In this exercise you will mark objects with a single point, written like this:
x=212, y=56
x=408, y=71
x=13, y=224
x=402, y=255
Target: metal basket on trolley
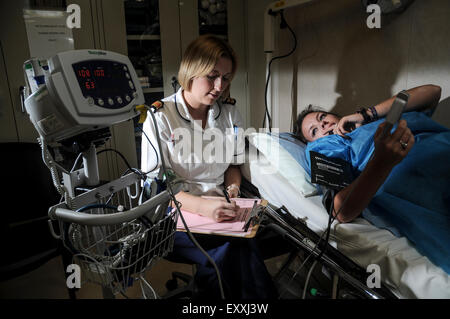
x=113, y=239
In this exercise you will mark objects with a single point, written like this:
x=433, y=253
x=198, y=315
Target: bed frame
x=295, y=231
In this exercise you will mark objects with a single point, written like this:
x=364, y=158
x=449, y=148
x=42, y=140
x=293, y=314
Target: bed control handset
x=396, y=110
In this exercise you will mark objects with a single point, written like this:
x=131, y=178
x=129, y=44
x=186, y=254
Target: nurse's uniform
x=192, y=153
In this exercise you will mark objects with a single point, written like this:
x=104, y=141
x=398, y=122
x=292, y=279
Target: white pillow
x=283, y=162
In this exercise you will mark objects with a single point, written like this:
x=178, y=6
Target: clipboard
x=234, y=228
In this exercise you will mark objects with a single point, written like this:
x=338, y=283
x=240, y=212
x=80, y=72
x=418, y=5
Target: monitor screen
x=106, y=83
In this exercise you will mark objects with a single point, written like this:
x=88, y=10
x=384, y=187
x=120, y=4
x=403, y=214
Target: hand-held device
x=396, y=111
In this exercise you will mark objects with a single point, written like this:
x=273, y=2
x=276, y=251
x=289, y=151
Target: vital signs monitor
x=84, y=90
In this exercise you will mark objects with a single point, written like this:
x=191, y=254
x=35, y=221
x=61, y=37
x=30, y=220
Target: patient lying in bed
x=403, y=179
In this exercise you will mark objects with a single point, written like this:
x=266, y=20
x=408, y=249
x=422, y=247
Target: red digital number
x=99, y=73
x=84, y=73
x=89, y=85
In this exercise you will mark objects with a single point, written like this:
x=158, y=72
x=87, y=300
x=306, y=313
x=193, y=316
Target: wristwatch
x=234, y=186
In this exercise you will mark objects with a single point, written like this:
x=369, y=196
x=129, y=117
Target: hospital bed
x=405, y=272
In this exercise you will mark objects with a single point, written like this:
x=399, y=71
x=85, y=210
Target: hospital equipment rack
x=296, y=231
x=114, y=249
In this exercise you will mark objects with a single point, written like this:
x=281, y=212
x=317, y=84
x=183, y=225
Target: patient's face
x=318, y=124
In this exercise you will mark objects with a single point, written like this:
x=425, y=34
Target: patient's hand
x=389, y=150
x=348, y=123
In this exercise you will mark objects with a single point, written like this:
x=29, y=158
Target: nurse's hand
x=391, y=149
x=220, y=210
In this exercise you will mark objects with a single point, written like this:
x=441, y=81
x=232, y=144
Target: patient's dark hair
x=300, y=118
x=298, y=124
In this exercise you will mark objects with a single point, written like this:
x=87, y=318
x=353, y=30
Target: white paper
x=47, y=33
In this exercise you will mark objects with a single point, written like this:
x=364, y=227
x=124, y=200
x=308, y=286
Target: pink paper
x=202, y=224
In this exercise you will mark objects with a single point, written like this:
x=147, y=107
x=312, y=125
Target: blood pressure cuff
x=333, y=173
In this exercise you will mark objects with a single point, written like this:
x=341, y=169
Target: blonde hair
x=200, y=58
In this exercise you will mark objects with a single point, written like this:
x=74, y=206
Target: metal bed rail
x=294, y=230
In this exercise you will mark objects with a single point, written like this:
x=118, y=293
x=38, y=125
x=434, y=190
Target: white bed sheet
x=406, y=272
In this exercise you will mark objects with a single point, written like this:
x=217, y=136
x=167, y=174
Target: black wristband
x=374, y=112
x=366, y=117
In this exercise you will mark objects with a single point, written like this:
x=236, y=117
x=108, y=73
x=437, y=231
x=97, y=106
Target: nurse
x=187, y=120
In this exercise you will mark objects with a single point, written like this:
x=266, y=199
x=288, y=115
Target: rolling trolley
x=72, y=100
x=114, y=240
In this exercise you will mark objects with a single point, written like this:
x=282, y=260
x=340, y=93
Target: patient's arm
x=361, y=191
x=420, y=98
x=351, y=201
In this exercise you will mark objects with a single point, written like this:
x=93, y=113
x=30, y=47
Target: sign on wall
x=47, y=33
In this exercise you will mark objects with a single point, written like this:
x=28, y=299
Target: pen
x=226, y=195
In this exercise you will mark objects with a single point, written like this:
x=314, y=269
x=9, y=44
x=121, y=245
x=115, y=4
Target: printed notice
x=47, y=33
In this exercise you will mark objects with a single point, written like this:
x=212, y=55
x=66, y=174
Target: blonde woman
x=201, y=105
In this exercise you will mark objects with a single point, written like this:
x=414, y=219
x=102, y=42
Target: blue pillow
x=295, y=147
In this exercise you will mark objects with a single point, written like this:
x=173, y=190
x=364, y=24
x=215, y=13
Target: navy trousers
x=243, y=272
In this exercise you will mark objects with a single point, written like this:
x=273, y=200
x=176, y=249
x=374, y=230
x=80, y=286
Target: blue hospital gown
x=414, y=201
